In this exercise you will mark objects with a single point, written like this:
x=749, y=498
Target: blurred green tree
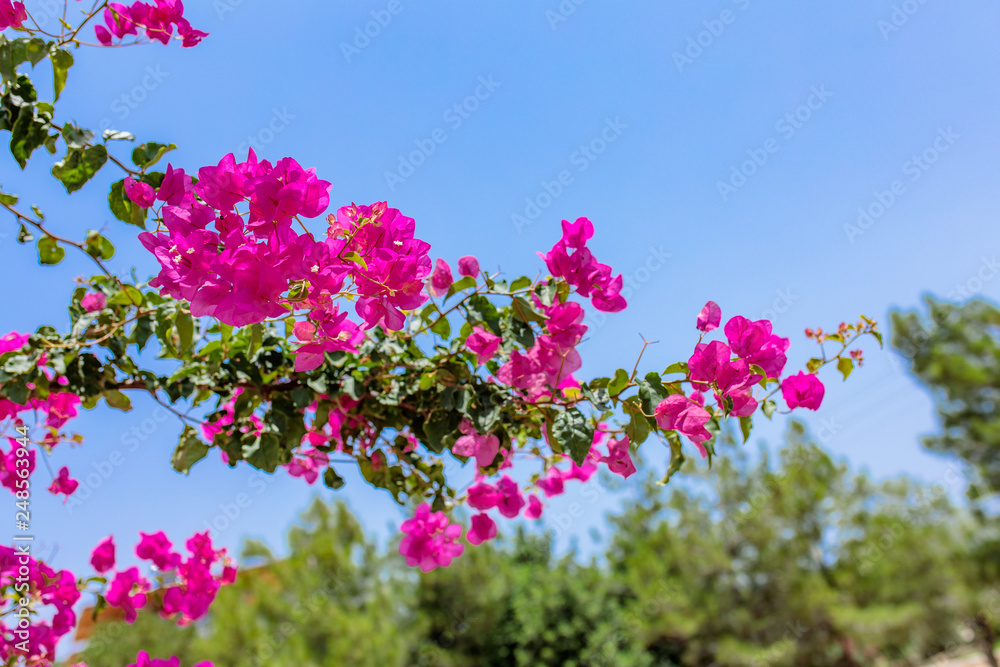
x=954, y=350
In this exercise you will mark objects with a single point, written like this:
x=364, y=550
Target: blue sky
x=641, y=110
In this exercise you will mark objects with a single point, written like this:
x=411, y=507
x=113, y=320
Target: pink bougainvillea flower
x=103, y=555
x=511, y=500
x=176, y=188
x=143, y=660
x=222, y=186
x=128, y=592
x=681, y=414
x=553, y=484
x=63, y=483
x=804, y=390
x=468, y=266
x=308, y=465
x=93, y=301
x=13, y=341
x=710, y=317
x=157, y=548
x=745, y=337
x=705, y=362
x=329, y=331
x=483, y=528
x=618, y=459
x=534, y=509
x=483, y=447
x=12, y=15
x=482, y=496
x=771, y=356
x=141, y=194
x=483, y=344
x=429, y=540
x=571, y=260
x=441, y=279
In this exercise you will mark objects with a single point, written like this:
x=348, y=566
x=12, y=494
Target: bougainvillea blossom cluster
x=158, y=20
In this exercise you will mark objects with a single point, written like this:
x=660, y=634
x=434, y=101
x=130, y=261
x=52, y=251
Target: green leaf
x=79, y=166
x=746, y=425
x=62, y=60
x=117, y=400
x=24, y=235
x=638, y=427
x=19, y=364
x=676, y=457
x=127, y=296
x=123, y=208
x=17, y=51
x=257, y=339
x=878, y=337
x=845, y=365
x=185, y=331
x=9, y=200
x=264, y=452
x=525, y=312
x=35, y=50
x=520, y=284
x=442, y=327
x=466, y=282
x=115, y=135
x=651, y=392
x=190, y=449
x=357, y=259
x=618, y=382
x=76, y=137
x=49, y=251
x=814, y=364
x=98, y=246
x=678, y=367
x=146, y=155
x=332, y=480
x=768, y=407
x=574, y=432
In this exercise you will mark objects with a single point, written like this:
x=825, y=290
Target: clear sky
x=642, y=109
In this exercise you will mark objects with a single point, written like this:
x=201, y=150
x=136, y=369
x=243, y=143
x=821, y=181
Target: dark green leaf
x=618, y=382
x=79, y=166
x=146, y=155
x=574, y=433
x=189, y=451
